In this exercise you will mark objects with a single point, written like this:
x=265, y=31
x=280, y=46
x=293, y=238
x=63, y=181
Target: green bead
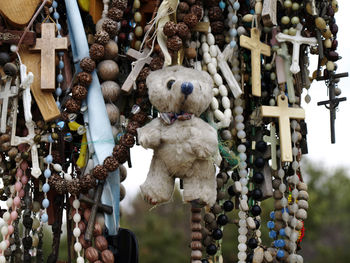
x=295, y=20
x=275, y=48
x=285, y=20
x=273, y=76
x=295, y=6
x=287, y=4
x=285, y=31
x=292, y=31
x=268, y=66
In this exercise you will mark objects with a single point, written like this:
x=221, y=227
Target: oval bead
x=211, y=68
x=210, y=39
x=219, y=115
x=205, y=47
x=223, y=90
x=218, y=79
x=225, y=102
x=206, y=57
x=214, y=104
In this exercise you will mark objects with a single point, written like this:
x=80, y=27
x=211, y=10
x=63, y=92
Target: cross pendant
x=5, y=94
x=13, y=36
x=274, y=142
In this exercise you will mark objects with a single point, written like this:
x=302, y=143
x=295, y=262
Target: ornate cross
x=333, y=102
x=297, y=41
x=96, y=205
x=13, y=36
x=284, y=114
x=272, y=139
x=5, y=94
x=257, y=48
x=26, y=81
x=141, y=59
x=48, y=44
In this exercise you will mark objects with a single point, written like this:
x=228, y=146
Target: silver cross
x=5, y=94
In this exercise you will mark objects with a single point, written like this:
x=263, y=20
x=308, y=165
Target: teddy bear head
x=178, y=89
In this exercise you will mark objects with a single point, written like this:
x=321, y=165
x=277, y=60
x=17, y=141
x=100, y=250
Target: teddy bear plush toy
x=184, y=145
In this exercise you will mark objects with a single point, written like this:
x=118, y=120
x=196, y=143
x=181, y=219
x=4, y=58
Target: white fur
x=184, y=149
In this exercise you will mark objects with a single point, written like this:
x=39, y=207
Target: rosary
x=214, y=87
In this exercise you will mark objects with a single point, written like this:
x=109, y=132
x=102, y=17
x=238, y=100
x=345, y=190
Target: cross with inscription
x=333, y=102
x=257, y=48
x=5, y=94
x=48, y=44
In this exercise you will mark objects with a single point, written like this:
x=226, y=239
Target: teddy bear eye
x=170, y=84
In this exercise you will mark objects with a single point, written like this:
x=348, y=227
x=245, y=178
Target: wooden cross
x=13, y=37
x=5, y=94
x=283, y=52
x=284, y=114
x=141, y=59
x=48, y=44
x=273, y=142
x=333, y=102
x=226, y=71
x=297, y=41
x=26, y=80
x=268, y=13
x=96, y=205
x=257, y=48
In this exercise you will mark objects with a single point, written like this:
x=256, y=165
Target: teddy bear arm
x=149, y=136
x=206, y=145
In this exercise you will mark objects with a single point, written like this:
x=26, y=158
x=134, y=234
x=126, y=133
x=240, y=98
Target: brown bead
x=85, y=244
x=140, y=118
x=196, y=217
x=191, y=20
x=97, y=52
x=217, y=27
x=156, y=63
x=169, y=29
x=183, y=30
x=190, y=53
x=196, y=255
x=102, y=37
x=196, y=245
x=82, y=226
x=79, y=92
x=196, y=236
x=84, y=78
x=91, y=254
x=127, y=140
x=100, y=172
x=141, y=89
x=132, y=127
x=215, y=14
x=183, y=7
x=115, y=14
x=123, y=173
x=111, y=164
x=110, y=26
x=58, y=183
x=107, y=256
x=180, y=17
x=72, y=105
x=198, y=11
x=144, y=74
x=196, y=227
x=111, y=50
x=121, y=153
x=5, y=138
x=73, y=186
x=97, y=229
x=87, y=182
x=87, y=65
x=174, y=43
x=122, y=193
x=120, y=4
x=87, y=213
x=10, y=69
x=101, y=243
x=108, y=70
x=220, y=40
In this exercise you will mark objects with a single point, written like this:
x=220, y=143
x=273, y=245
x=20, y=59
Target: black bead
x=27, y=242
x=217, y=234
x=261, y=146
x=257, y=194
x=228, y=206
x=258, y=178
x=257, y=223
x=222, y=220
x=4, y=58
x=230, y=191
x=255, y=210
x=205, y=260
x=252, y=243
x=211, y=249
x=259, y=162
x=28, y=222
x=10, y=69
x=250, y=257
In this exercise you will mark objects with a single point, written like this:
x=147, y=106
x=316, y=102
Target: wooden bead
x=101, y=243
x=196, y=255
x=196, y=217
x=196, y=227
x=87, y=213
x=111, y=50
x=196, y=245
x=196, y=235
x=190, y=53
x=97, y=229
x=110, y=90
x=113, y=113
x=108, y=70
x=107, y=256
x=91, y=254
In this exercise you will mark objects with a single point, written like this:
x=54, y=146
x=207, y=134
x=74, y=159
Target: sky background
x=321, y=151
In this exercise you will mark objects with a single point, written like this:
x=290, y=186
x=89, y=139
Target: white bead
x=243, y=182
x=222, y=90
x=214, y=61
x=241, y=148
x=294, y=137
x=76, y=203
x=241, y=134
x=76, y=232
x=294, y=124
x=238, y=110
x=205, y=47
x=217, y=79
x=3, y=245
x=285, y=216
x=295, y=151
x=214, y=104
x=294, y=236
x=211, y=68
x=6, y=216
x=235, y=70
x=12, y=189
x=80, y=260
x=242, y=165
x=242, y=247
x=204, y=39
x=2, y=259
x=284, y=201
x=242, y=223
x=77, y=247
x=219, y=115
x=242, y=156
x=242, y=238
x=213, y=51
x=295, y=193
x=240, y=126
x=77, y=218
x=282, y=188
x=241, y=214
x=258, y=234
x=206, y=57
x=242, y=256
x=281, y=173
x=68, y=177
x=239, y=118
x=225, y=102
x=210, y=39
x=288, y=231
x=57, y=167
x=13, y=48
x=216, y=91
x=9, y=202
x=242, y=230
x=272, y=102
x=4, y=230
x=295, y=179
x=295, y=165
x=228, y=114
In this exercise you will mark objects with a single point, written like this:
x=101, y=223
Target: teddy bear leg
x=201, y=184
x=159, y=185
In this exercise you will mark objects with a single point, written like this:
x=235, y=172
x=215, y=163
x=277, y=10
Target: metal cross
x=333, y=102
x=5, y=94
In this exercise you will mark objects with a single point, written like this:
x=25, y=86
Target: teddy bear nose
x=187, y=88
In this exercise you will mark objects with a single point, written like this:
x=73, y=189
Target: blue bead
x=59, y=35
x=46, y=187
x=234, y=19
x=282, y=243
x=279, y=243
x=233, y=32
x=236, y=6
x=49, y=158
x=59, y=78
x=270, y=224
x=59, y=27
x=61, y=64
x=272, y=215
x=252, y=11
x=233, y=43
x=44, y=218
x=47, y=173
x=60, y=124
x=280, y=253
x=46, y=203
x=61, y=53
x=58, y=104
x=54, y=4
x=285, y=209
x=222, y=5
x=56, y=15
x=50, y=139
x=282, y=232
x=68, y=137
x=58, y=92
x=272, y=234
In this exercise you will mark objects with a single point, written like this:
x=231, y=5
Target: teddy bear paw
x=150, y=200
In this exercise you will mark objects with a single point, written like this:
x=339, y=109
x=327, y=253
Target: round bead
x=80, y=260
x=9, y=202
x=77, y=247
x=77, y=217
x=4, y=230
x=60, y=78
x=236, y=5
x=58, y=91
x=56, y=15
x=242, y=238
x=46, y=203
x=47, y=173
x=3, y=245
x=138, y=17
x=44, y=218
x=60, y=64
x=49, y=159
x=46, y=187
x=76, y=232
x=76, y=203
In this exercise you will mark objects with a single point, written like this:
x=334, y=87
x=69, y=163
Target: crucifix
x=226, y=71
x=26, y=81
x=13, y=36
x=96, y=205
x=297, y=41
x=48, y=44
x=283, y=52
x=272, y=139
x=141, y=60
x=257, y=48
x=333, y=102
x=284, y=114
x=5, y=94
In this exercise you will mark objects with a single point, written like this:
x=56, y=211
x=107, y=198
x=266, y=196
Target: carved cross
x=333, y=102
x=272, y=139
x=297, y=41
x=283, y=52
x=48, y=44
x=26, y=80
x=257, y=48
x=227, y=72
x=284, y=114
x=141, y=59
x=5, y=94
x=13, y=36
x=96, y=205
